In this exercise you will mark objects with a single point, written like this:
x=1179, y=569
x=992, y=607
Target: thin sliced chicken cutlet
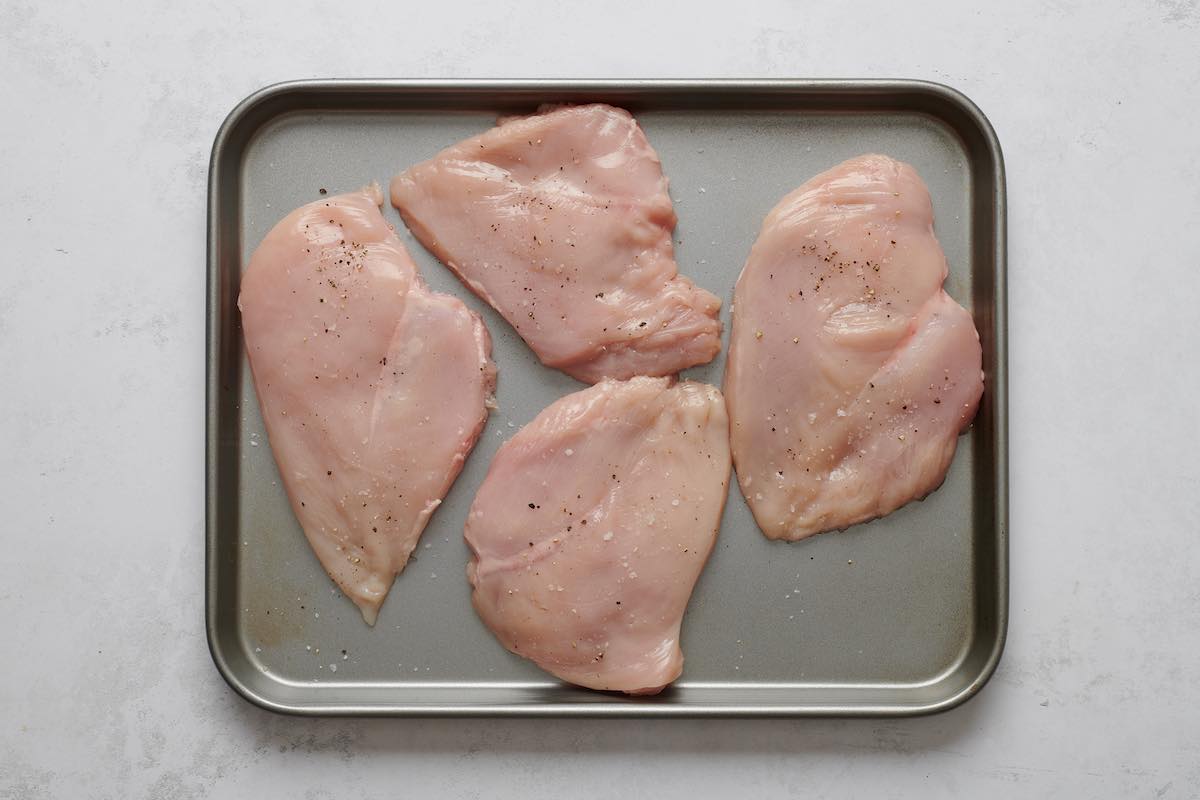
x=851, y=373
x=373, y=388
x=592, y=526
x=562, y=222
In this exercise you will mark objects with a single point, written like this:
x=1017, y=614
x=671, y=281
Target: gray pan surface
x=903, y=615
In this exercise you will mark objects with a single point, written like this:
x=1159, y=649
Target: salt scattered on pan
x=333, y=667
x=511, y=425
x=428, y=545
x=703, y=190
x=433, y=574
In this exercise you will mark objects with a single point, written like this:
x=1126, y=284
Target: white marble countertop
x=106, y=686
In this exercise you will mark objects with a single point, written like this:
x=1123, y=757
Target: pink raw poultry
x=373, y=388
x=594, y=523
x=851, y=372
x=562, y=222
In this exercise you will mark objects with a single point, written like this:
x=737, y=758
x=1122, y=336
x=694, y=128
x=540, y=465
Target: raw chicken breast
x=851, y=372
x=592, y=526
x=562, y=222
x=373, y=388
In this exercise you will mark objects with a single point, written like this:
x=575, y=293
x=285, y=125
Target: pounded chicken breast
x=851, y=372
x=373, y=388
x=562, y=222
x=592, y=526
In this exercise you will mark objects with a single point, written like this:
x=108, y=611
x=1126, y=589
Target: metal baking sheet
x=904, y=615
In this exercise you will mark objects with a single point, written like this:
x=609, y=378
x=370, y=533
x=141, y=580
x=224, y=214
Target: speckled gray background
x=106, y=687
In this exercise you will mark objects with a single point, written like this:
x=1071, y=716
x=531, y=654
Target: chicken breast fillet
x=562, y=222
x=851, y=372
x=373, y=388
x=592, y=526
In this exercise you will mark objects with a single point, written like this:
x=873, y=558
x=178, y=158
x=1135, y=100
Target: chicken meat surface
x=851, y=372
x=593, y=525
x=373, y=389
x=562, y=222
